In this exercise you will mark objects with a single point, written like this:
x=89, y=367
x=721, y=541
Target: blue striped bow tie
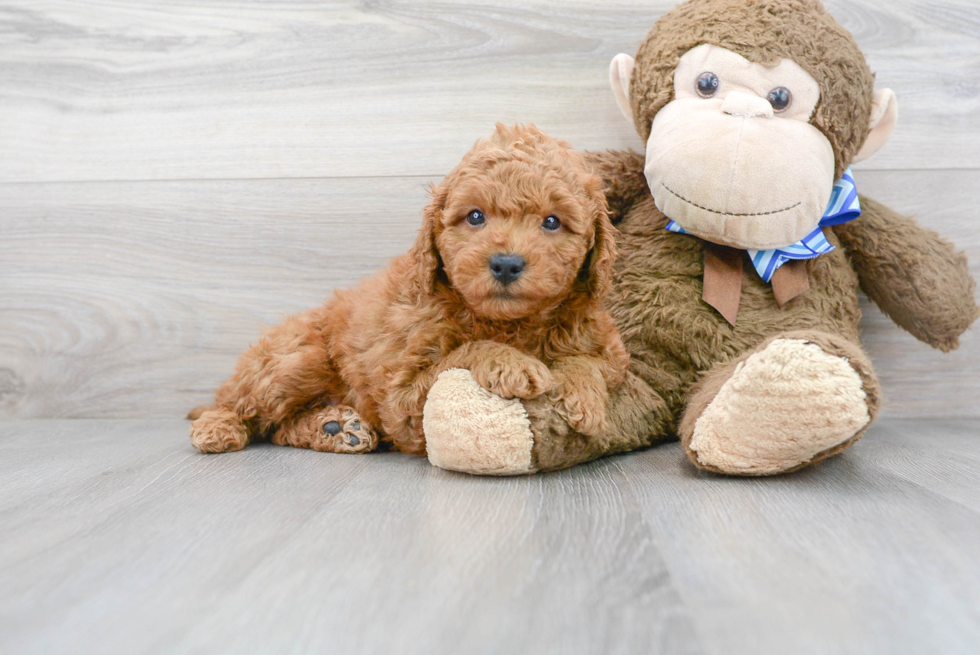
x=844, y=206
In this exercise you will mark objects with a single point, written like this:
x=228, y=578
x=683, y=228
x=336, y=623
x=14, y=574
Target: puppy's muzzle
x=506, y=268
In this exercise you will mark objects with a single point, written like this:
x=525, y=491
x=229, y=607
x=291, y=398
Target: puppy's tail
x=195, y=413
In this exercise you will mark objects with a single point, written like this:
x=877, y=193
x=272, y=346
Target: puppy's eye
x=551, y=223
x=708, y=84
x=476, y=218
x=780, y=98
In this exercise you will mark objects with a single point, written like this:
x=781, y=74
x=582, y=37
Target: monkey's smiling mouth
x=713, y=211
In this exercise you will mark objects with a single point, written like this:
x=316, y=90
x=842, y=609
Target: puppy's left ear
x=598, y=268
x=424, y=251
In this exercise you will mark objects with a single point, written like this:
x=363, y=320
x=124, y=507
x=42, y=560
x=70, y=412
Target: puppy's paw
x=585, y=412
x=335, y=429
x=581, y=398
x=350, y=434
x=218, y=431
x=513, y=377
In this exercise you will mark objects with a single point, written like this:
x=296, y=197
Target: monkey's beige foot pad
x=781, y=407
x=469, y=429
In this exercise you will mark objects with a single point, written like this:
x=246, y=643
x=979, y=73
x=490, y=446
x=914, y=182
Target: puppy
x=506, y=278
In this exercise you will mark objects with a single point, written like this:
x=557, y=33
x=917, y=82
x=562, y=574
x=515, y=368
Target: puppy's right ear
x=424, y=251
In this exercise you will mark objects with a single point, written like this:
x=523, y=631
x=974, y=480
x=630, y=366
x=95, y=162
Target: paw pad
x=343, y=432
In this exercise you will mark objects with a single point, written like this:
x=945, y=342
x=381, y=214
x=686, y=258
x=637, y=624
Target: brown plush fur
x=914, y=275
x=376, y=349
x=682, y=351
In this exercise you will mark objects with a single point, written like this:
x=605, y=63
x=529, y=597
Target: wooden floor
x=118, y=538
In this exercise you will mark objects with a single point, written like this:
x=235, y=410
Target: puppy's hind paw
x=218, y=431
x=335, y=429
x=352, y=435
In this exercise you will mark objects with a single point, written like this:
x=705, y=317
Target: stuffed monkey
x=743, y=243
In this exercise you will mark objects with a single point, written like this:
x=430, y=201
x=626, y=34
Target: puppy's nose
x=506, y=268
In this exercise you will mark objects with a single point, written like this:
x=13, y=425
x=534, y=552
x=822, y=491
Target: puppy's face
x=514, y=235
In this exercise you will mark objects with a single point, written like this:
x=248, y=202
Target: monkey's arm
x=622, y=177
x=912, y=274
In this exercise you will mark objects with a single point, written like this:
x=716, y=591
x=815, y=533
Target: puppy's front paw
x=524, y=377
x=581, y=398
x=585, y=412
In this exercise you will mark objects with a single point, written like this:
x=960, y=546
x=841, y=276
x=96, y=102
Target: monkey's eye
x=708, y=85
x=551, y=223
x=476, y=218
x=780, y=98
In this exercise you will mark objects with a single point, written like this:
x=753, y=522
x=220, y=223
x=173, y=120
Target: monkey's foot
x=797, y=399
x=218, y=431
x=469, y=429
x=334, y=429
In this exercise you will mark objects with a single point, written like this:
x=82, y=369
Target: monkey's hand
x=912, y=274
x=470, y=429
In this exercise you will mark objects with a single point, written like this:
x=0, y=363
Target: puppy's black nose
x=506, y=268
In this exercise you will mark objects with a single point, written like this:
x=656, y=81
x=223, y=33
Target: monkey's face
x=733, y=158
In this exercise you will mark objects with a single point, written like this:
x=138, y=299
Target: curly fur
x=378, y=348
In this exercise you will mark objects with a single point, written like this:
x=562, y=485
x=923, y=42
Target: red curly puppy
x=506, y=279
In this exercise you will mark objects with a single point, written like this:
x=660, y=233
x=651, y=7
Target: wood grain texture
x=872, y=553
x=117, y=297
x=119, y=538
x=135, y=299
x=141, y=545
x=93, y=90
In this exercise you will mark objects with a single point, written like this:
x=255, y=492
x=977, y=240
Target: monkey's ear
x=424, y=251
x=620, y=73
x=884, y=117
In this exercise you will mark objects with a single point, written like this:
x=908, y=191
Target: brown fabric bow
x=723, y=280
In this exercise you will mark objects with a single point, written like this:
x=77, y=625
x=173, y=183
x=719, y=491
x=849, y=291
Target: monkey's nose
x=506, y=268
x=746, y=105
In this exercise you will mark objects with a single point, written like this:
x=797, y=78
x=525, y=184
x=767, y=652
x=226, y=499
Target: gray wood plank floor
x=118, y=538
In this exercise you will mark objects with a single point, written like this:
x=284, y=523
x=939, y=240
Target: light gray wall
x=174, y=175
